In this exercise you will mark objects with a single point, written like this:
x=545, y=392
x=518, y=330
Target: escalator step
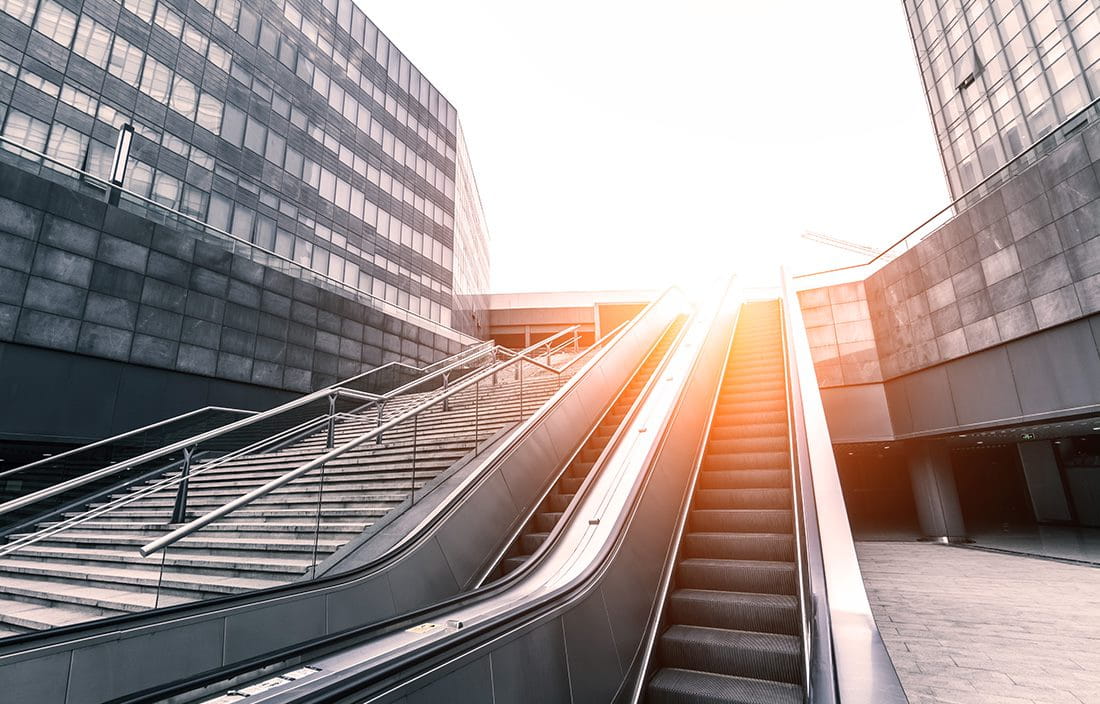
x=742, y=498
x=740, y=521
x=771, y=443
x=744, y=478
x=746, y=460
x=545, y=521
x=749, y=430
x=530, y=542
x=763, y=613
x=755, y=576
x=728, y=652
x=676, y=686
x=740, y=546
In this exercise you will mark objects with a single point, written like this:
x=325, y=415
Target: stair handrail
x=122, y=436
x=862, y=671
x=53, y=529
x=258, y=446
x=460, y=359
x=291, y=475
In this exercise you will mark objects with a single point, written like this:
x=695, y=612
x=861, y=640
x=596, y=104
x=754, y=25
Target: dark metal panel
x=532, y=669
x=422, y=578
x=42, y=680
x=594, y=667
x=268, y=628
x=367, y=601
x=857, y=413
x=982, y=387
x=1056, y=369
x=99, y=671
x=536, y=452
x=470, y=684
x=930, y=399
x=474, y=531
x=898, y=402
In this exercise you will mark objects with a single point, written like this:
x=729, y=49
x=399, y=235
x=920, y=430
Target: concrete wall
x=80, y=277
x=842, y=340
x=1023, y=259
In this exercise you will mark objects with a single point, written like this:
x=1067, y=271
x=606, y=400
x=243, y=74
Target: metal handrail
x=378, y=303
x=1031, y=151
x=153, y=488
x=861, y=672
x=194, y=440
x=286, y=478
x=121, y=436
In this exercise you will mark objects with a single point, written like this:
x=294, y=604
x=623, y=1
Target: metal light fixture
x=122, y=158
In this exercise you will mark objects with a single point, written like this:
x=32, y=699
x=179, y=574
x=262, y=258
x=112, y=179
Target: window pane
x=184, y=96
x=92, y=41
x=56, y=22
x=233, y=122
x=210, y=113
x=125, y=61
x=169, y=20
x=221, y=209
x=24, y=130
x=166, y=189
x=156, y=80
x=22, y=10
x=193, y=202
x=141, y=8
x=67, y=145
x=255, y=136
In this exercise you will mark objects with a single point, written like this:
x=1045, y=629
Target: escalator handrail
x=653, y=626
x=862, y=671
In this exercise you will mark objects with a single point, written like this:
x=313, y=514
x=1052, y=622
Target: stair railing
x=282, y=416
x=515, y=376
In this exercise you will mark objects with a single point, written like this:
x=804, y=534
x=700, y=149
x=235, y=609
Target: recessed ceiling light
x=1096, y=428
x=981, y=442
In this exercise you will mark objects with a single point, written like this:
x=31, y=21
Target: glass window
x=78, y=99
x=320, y=259
x=233, y=122
x=55, y=22
x=227, y=10
x=210, y=113
x=284, y=243
x=139, y=178
x=281, y=106
x=141, y=8
x=193, y=202
x=275, y=147
x=303, y=252
x=185, y=97
x=99, y=158
x=242, y=223
x=22, y=10
x=265, y=232
x=67, y=145
x=195, y=39
x=169, y=20
x=156, y=80
x=125, y=61
x=24, y=130
x=293, y=164
x=93, y=41
x=269, y=39
x=221, y=211
x=248, y=25
x=34, y=80
x=166, y=189
x=288, y=53
x=255, y=135
x=218, y=56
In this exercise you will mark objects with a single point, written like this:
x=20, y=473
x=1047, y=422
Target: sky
x=640, y=144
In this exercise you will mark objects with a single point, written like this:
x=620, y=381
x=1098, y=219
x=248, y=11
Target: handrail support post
x=179, y=510
x=331, y=439
x=446, y=399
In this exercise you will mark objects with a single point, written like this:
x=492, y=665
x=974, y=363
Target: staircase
x=734, y=625
x=94, y=570
x=561, y=495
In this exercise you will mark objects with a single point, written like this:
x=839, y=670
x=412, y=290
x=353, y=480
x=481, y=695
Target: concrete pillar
x=1044, y=481
x=934, y=492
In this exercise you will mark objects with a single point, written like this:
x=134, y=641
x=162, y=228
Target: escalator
x=734, y=627
x=549, y=512
x=692, y=570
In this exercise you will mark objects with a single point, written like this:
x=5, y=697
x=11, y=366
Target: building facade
x=999, y=75
x=294, y=126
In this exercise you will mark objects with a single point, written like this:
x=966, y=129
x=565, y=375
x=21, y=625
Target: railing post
x=477, y=409
x=412, y=481
x=179, y=510
x=576, y=340
x=381, y=406
x=330, y=441
x=446, y=399
x=520, y=373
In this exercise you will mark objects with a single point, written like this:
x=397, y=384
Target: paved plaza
x=970, y=627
